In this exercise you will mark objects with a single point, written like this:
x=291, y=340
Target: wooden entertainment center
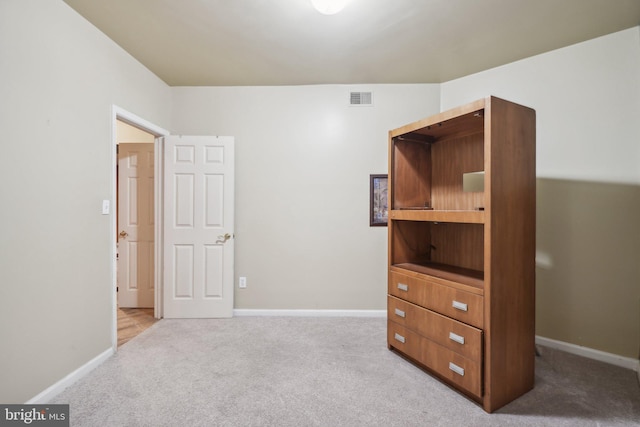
x=461, y=298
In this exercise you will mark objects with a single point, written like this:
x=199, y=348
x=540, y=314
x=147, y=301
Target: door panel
x=136, y=225
x=198, y=213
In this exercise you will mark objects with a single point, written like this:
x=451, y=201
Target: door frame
x=118, y=113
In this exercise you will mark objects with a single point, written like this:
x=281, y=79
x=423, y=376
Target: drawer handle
x=459, y=305
x=399, y=337
x=457, y=338
x=399, y=312
x=403, y=287
x=457, y=369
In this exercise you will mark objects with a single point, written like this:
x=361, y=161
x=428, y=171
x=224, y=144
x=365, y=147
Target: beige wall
x=589, y=294
x=587, y=99
x=127, y=133
x=60, y=78
x=303, y=160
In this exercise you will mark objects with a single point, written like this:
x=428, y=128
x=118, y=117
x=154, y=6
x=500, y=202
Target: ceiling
x=286, y=42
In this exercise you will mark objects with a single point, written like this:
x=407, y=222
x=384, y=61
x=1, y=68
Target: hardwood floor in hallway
x=132, y=321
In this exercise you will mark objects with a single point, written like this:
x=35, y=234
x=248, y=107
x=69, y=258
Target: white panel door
x=198, y=226
x=135, y=225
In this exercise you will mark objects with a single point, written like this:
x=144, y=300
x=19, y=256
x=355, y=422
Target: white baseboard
x=243, y=312
x=613, y=359
x=590, y=353
x=51, y=392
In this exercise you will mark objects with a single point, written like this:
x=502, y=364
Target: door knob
x=123, y=234
x=223, y=239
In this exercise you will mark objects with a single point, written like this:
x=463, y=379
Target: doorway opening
x=136, y=224
x=135, y=212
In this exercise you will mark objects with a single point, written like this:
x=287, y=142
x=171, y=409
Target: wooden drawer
x=451, y=302
x=446, y=364
x=452, y=334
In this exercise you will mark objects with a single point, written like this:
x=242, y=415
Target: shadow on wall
x=588, y=264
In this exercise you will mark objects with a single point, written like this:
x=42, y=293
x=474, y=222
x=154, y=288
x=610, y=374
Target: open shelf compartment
x=428, y=165
x=451, y=251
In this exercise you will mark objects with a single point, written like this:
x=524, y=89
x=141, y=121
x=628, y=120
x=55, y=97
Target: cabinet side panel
x=411, y=174
x=510, y=300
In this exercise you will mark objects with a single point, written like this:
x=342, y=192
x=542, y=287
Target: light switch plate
x=105, y=207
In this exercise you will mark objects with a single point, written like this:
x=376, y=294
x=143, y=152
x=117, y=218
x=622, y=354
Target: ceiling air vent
x=361, y=98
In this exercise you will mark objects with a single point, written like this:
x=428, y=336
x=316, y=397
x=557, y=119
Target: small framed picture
x=378, y=209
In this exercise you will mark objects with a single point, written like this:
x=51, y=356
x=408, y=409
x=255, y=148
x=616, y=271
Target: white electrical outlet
x=242, y=282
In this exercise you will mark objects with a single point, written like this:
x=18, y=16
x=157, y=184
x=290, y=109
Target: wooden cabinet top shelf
x=471, y=217
x=467, y=119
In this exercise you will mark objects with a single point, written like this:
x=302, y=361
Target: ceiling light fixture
x=329, y=7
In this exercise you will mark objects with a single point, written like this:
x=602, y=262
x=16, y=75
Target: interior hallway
x=132, y=321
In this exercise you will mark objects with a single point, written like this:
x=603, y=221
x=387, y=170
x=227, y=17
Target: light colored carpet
x=288, y=371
